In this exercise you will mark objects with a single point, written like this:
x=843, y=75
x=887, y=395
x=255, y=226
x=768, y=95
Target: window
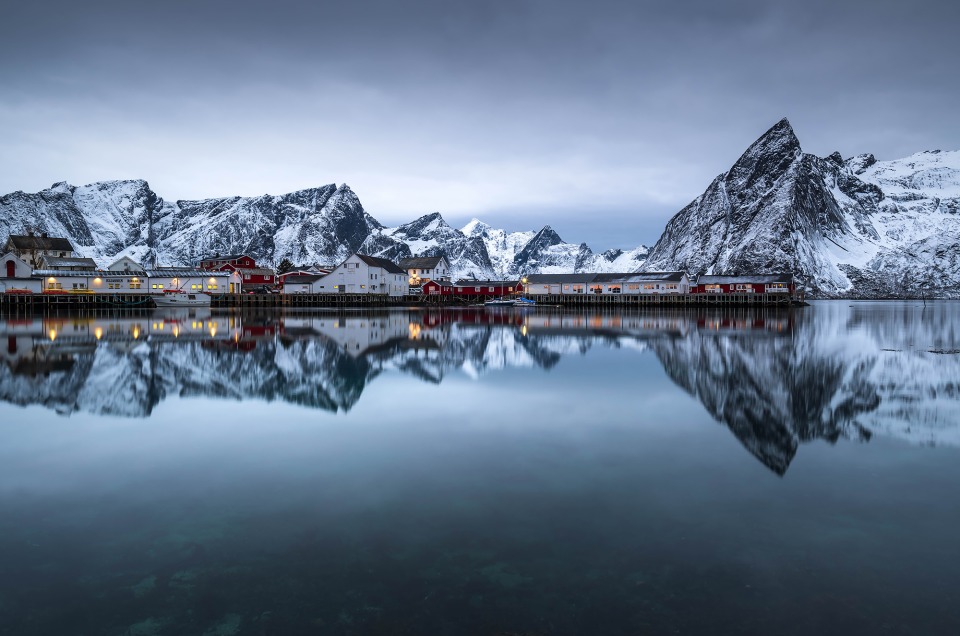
x=509, y=288
x=489, y=289
x=212, y=286
x=476, y=289
x=134, y=284
x=158, y=285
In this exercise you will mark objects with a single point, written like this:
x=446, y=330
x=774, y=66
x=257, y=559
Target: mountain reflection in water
x=775, y=378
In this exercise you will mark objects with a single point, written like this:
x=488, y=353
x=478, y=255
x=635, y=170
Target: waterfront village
x=39, y=265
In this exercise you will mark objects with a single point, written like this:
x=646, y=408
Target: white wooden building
x=193, y=280
x=361, y=274
x=423, y=268
x=17, y=275
x=125, y=264
x=636, y=283
x=305, y=283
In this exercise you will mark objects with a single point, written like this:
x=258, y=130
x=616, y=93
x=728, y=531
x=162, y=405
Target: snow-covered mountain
x=319, y=225
x=855, y=227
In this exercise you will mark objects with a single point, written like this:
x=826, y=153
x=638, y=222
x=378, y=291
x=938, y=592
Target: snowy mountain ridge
x=848, y=228
x=853, y=227
x=109, y=219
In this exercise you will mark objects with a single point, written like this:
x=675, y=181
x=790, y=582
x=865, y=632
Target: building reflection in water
x=776, y=378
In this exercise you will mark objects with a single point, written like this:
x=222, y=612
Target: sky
x=601, y=119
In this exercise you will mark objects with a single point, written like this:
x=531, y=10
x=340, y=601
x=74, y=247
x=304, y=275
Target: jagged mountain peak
x=547, y=236
x=475, y=227
x=62, y=186
x=860, y=163
x=858, y=227
x=765, y=161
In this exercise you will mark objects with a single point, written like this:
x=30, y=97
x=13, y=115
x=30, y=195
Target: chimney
x=43, y=235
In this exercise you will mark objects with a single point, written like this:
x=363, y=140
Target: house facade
x=437, y=288
x=636, y=283
x=193, y=280
x=125, y=264
x=750, y=284
x=423, y=268
x=233, y=260
x=250, y=274
x=303, y=283
x=16, y=276
x=361, y=274
x=487, y=288
x=31, y=247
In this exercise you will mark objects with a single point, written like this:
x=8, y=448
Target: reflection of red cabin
x=487, y=288
x=437, y=288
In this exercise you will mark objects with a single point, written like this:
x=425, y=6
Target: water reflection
x=776, y=378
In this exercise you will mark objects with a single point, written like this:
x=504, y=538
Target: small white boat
x=180, y=298
x=524, y=302
x=499, y=302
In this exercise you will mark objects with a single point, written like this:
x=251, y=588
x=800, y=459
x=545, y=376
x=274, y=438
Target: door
x=11, y=269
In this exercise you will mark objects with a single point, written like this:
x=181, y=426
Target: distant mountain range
x=853, y=227
x=324, y=225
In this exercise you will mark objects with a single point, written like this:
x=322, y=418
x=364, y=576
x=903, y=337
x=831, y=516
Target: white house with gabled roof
x=16, y=275
x=362, y=274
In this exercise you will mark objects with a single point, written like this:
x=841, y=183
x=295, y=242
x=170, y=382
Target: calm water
x=463, y=472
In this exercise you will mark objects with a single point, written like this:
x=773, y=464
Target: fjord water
x=476, y=472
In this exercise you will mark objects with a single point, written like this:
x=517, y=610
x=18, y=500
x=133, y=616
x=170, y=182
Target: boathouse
x=748, y=284
x=437, y=288
x=487, y=288
x=186, y=279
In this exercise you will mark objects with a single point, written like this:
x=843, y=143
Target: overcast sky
x=601, y=118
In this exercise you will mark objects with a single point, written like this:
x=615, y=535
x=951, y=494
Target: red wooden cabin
x=487, y=288
x=437, y=288
x=751, y=284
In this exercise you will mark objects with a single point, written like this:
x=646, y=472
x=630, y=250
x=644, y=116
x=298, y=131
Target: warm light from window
x=53, y=334
x=98, y=333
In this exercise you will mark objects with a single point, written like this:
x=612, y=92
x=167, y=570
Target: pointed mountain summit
x=764, y=162
x=829, y=221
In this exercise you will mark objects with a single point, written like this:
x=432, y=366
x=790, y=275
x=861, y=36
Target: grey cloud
x=562, y=106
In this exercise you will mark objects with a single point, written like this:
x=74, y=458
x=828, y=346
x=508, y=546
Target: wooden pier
x=24, y=304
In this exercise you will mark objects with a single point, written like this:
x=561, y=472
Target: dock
x=26, y=304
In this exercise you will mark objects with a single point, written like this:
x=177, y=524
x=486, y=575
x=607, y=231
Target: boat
x=524, y=302
x=499, y=302
x=180, y=298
